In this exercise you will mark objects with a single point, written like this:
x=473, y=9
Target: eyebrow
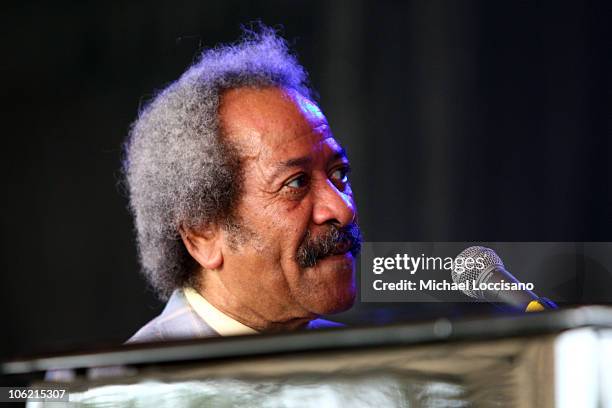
x=304, y=161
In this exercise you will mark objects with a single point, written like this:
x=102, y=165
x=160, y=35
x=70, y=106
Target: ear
x=204, y=245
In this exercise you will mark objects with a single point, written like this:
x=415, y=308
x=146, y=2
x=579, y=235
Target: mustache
x=335, y=241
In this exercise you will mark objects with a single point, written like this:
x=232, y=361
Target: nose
x=332, y=205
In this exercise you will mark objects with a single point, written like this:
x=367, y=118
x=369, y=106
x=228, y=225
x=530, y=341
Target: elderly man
x=243, y=209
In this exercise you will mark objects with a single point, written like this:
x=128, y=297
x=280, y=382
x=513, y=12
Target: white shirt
x=219, y=321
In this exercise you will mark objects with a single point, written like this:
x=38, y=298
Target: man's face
x=295, y=257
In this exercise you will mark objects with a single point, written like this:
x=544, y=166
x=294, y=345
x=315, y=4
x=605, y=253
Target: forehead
x=268, y=122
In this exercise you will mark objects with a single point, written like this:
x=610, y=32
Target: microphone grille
x=461, y=273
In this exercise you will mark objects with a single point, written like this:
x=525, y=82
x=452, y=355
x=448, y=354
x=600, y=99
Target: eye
x=298, y=182
x=340, y=176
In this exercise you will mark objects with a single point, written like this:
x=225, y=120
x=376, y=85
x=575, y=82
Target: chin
x=341, y=305
x=333, y=305
x=335, y=290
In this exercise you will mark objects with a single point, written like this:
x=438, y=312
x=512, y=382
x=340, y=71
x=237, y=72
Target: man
x=244, y=214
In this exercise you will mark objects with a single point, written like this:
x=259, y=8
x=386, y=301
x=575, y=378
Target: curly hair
x=179, y=169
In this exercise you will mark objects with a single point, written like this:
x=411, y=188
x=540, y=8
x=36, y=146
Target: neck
x=212, y=288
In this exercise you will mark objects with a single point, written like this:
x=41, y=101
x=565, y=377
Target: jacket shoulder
x=178, y=320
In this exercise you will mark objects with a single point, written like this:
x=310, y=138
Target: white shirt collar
x=219, y=321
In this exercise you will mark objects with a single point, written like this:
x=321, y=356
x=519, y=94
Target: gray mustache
x=334, y=241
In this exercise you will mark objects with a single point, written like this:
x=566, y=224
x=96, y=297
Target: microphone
x=487, y=279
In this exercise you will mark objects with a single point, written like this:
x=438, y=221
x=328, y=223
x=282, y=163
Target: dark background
x=464, y=121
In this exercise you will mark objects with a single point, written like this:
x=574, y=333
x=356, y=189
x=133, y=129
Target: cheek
x=279, y=225
x=287, y=224
x=270, y=245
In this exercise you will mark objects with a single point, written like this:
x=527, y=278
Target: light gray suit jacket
x=179, y=320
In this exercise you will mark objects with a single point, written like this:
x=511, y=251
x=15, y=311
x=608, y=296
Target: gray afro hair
x=178, y=168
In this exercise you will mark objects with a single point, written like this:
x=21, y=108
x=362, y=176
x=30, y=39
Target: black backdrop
x=466, y=120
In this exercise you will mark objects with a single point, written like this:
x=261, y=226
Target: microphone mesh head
x=461, y=273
